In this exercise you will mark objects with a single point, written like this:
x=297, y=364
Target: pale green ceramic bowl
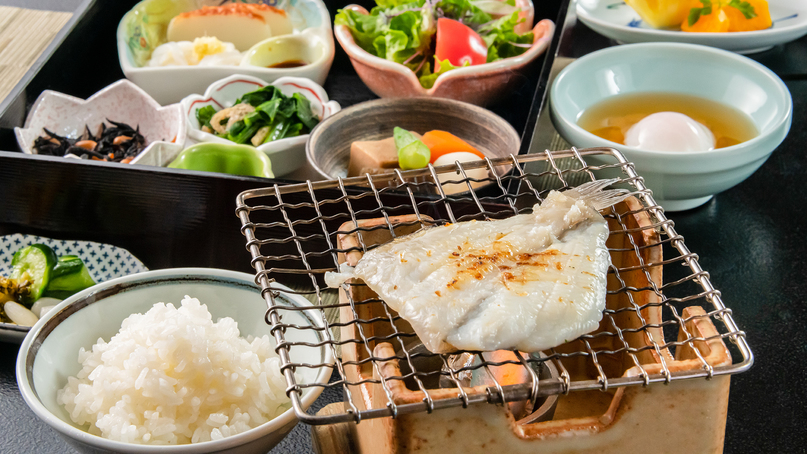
x=679, y=180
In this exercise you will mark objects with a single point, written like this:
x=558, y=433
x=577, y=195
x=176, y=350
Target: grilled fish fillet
x=529, y=282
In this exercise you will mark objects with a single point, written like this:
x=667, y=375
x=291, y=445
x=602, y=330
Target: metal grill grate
x=651, y=331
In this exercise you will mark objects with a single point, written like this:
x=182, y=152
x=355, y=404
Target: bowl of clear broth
x=695, y=120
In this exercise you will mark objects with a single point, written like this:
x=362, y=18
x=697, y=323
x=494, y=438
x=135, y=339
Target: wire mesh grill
x=652, y=330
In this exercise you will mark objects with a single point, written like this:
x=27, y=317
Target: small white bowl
x=121, y=101
x=49, y=353
x=168, y=84
x=679, y=180
x=287, y=155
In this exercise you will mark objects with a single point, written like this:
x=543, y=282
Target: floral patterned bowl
x=479, y=84
x=287, y=155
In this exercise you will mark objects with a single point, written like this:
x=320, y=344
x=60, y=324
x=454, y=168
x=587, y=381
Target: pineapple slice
x=663, y=13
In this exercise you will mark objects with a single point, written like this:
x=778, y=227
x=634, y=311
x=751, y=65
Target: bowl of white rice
x=170, y=361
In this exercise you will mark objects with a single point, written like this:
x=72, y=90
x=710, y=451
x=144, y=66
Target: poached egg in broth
x=673, y=122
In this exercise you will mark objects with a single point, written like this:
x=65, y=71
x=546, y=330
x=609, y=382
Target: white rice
x=172, y=376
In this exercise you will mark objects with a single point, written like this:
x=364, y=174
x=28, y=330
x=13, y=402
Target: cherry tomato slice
x=458, y=43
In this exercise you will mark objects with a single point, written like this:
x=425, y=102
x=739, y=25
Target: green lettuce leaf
x=428, y=78
x=393, y=30
x=502, y=40
x=464, y=11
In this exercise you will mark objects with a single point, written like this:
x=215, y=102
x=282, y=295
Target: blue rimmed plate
x=103, y=261
x=616, y=20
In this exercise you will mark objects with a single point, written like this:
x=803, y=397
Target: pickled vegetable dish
x=260, y=116
x=431, y=37
x=38, y=281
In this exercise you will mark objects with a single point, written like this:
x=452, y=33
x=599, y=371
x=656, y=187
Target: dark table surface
x=750, y=238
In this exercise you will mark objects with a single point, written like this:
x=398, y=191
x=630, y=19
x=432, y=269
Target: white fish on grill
x=529, y=282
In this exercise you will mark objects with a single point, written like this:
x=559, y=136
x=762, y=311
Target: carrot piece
x=442, y=142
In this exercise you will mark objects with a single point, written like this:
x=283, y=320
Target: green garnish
x=696, y=13
x=744, y=7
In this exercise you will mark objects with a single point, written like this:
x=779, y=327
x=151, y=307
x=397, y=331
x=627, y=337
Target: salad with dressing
x=431, y=37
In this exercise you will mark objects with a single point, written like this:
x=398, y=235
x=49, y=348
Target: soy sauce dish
x=708, y=85
x=50, y=354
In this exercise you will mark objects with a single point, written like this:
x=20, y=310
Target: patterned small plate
x=104, y=262
x=616, y=20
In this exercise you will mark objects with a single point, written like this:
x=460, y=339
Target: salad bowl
x=481, y=84
x=286, y=155
x=142, y=29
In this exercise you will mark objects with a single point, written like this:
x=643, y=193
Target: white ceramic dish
x=104, y=262
x=121, y=101
x=616, y=20
x=138, y=34
x=49, y=354
x=679, y=180
x=287, y=155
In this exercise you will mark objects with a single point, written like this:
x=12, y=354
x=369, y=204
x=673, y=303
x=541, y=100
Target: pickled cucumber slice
x=34, y=263
x=70, y=275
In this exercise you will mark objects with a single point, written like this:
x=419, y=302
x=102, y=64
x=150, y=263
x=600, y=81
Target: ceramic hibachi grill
x=654, y=377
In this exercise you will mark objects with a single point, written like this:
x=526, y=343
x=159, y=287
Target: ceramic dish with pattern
x=481, y=84
x=121, y=101
x=103, y=261
x=143, y=29
x=48, y=354
x=616, y=20
x=287, y=155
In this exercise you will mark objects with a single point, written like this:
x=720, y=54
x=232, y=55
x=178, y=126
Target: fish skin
x=529, y=282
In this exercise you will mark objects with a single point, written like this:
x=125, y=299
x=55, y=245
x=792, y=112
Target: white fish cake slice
x=529, y=282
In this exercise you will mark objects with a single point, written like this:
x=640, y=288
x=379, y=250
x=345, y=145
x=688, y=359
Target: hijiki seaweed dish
x=116, y=143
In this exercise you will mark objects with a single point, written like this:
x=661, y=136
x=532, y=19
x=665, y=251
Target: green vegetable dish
x=258, y=117
x=409, y=32
x=38, y=274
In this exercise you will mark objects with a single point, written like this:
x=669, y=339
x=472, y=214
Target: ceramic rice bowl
x=49, y=353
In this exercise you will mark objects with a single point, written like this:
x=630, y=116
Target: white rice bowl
x=173, y=376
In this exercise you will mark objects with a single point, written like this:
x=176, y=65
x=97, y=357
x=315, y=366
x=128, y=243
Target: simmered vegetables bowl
x=386, y=134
